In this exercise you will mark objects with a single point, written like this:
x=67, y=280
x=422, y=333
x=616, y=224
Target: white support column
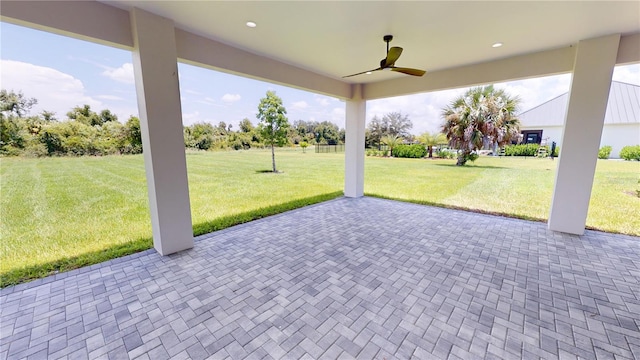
x=156, y=76
x=354, y=144
x=592, y=71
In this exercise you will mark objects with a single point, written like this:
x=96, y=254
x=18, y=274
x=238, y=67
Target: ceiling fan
x=389, y=62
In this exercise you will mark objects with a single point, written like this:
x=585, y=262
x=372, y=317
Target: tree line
x=482, y=118
x=84, y=132
x=88, y=132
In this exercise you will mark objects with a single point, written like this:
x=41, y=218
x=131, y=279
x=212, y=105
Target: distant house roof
x=623, y=108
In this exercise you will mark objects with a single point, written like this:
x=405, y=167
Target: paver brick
x=382, y=279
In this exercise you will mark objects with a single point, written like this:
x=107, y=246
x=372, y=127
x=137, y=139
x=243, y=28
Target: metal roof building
x=621, y=123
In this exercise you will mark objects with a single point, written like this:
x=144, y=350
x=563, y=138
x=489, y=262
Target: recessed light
x=497, y=45
x=368, y=72
x=251, y=24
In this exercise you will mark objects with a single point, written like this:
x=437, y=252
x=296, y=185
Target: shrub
x=630, y=153
x=604, y=152
x=528, y=150
x=472, y=157
x=521, y=150
x=445, y=154
x=409, y=151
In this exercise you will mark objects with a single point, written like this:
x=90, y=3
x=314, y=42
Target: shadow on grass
x=21, y=275
x=471, y=166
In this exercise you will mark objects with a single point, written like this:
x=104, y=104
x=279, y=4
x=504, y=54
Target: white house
x=621, y=122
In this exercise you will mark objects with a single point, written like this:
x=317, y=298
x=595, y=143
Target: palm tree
x=391, y=141
x=430, y=140
x=482, y=117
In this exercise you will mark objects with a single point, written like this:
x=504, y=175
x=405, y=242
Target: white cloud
x=55, y=91
x=123, y=74
x=338, y=116
x=533, y=92
x=191, y=118
x=299, y=104
x=423, y=109
x=110, y=97
x=231, y=98
x=324, y=101
x=629, y=74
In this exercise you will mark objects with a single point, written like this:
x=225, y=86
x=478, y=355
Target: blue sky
x=62, y=72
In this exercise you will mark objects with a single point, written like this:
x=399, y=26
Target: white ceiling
x=341, y=38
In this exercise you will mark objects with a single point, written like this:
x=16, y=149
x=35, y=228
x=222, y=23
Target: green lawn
x=61, y=213
x=515, y=186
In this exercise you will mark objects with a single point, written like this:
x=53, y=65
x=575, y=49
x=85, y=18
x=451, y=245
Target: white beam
x=592, y=71
x=356, y=109
x=200, y=51
x=518, y=67
x=543, y=63
x=86, y=20
x=156, y=76
x=629, y=49
x=105, y=24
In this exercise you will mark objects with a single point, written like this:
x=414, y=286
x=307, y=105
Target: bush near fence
x=527, y=150
x=410, y=151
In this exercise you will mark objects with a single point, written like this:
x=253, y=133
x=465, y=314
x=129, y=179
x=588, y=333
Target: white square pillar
x=592, y=71
x=356, y=109
x=156, y=77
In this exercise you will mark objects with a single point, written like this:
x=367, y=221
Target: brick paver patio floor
x=350, y=278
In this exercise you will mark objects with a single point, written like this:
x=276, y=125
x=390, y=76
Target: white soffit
x=337, y=38
x=311, y=44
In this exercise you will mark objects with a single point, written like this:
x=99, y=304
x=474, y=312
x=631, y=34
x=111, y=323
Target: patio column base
x=356, y=109
x=156, y=77
x=592, y=71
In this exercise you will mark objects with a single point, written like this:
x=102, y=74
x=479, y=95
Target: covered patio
x=355, y=277
x=335, y=280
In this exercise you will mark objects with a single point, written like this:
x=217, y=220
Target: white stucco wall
x=615, y=135
x=620, y=135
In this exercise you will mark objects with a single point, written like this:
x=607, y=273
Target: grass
x=62, y=213
x=511, y=186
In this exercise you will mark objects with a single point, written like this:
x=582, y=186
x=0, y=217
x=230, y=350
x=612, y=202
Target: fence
x=324, y=148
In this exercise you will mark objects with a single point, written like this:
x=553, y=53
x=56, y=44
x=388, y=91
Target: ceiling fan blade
x=392, y=56
x=360, y=73
x=409, y=71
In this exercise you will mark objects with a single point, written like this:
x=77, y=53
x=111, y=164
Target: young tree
x=430, y=140
x=273, y=123
x=483, y=116
x=391, y=141
x=304, y=145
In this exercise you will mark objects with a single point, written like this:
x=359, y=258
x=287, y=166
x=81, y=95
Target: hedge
x=409, y=151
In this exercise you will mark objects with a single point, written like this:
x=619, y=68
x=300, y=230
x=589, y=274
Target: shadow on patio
x=351, y=278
